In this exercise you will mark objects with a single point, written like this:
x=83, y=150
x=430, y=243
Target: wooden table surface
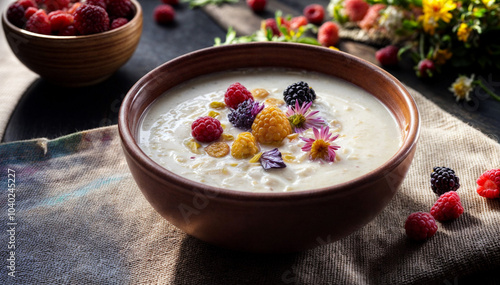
x=46, y=110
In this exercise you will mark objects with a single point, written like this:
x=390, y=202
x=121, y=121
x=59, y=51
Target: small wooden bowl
x=75, y=61
x=268, y=222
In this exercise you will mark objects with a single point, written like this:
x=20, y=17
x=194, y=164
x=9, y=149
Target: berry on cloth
x=444, y=179
x=328, y=34
x=164, y=14
x=243, y=116
x=488, y=184
x=300, y=92
x=420, y=226
x=235, y=94
x=39, y=23
x=90, y=19
x=206, y=129
x=356, y=9
x=257, y=5
x=271, y=126
x=314, y=13
x=244, y=146
x=388, y=55
x=447, y=207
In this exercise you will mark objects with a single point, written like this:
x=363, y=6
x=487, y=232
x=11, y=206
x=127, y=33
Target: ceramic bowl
x=75, y=60
x=268, y=222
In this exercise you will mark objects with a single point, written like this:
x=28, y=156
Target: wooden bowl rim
x=135, y=152
x=137, y=17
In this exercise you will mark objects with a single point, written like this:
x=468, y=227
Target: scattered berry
x=271, y=126
x=488, y=184
x=314, y=13
x=90, y=19
x=236, y=94
x=164, y=14
x=425, y=68
x=206, y=129
x=15, y=14
x=371, y=17
x=39, y=23
x=328, y=34
x=300, y=92
x=257, y=5
x=297, y=22
x=118, y=22
x=447, y=207
x=100, y=3
x=119, y=8
x=356, y=9
x=420, y=226
x=388, y=55
x=244, y=146
x=244, y=115
x=443, y=179
x=217, y=149
x=170, y=2
x=270, y=24
x=60, y=20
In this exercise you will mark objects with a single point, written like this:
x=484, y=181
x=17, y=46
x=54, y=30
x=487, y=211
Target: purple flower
x=302, y=118
x=321, y=146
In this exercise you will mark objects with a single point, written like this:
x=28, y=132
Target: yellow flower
x=441, y=56
x=435, y=10
x=463, y=32
x=488, y=3
x=462, y=86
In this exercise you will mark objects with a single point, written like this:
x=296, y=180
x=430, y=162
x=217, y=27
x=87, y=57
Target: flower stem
x=481, y=84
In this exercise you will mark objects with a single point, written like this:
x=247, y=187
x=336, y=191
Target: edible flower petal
x=321, y=146
x=302, y=118
x=272, y=159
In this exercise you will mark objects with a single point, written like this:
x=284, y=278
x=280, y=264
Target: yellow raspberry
x=271, y=126
x=244, y=146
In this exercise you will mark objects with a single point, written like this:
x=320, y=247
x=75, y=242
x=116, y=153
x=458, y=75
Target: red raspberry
x=90, y=19
x=356, y=9
x=328, y=34
x=371, y=17
x=425, y=68
x=15, y=14
x=54, y=5
x=206, y=129
x=170, y=2
x=270, y=24
x=297, y=22
x=314, y=13
x=119, y=8
x=100, y=3
x=420, y=226
x=60, y=20
x=447, y=207
x=29, y=12
x=118, y=22
x=67, y=31
x=236, y=94
x=387, y=55
x=39, y=23
x=257, y=5
x=488, y=184
x=73, y=8
x=27, y=3
x=164, y=14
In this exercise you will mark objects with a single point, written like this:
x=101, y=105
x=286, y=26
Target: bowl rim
x=131, y=146
x=137, y=17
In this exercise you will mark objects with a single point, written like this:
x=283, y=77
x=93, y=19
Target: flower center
x=297, y=120
x=319, y=149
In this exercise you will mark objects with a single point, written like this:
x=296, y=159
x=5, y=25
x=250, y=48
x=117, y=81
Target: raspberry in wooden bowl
x=79, y=44
x=281, y=182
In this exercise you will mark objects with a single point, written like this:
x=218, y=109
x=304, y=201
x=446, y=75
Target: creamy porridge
x=368, y=134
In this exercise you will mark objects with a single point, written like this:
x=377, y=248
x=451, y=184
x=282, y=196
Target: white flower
x=391, y=19
x=462, y=87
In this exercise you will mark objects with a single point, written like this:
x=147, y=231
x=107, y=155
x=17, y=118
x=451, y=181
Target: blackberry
x=444, y=179
x=300, y=92
x=243, y=116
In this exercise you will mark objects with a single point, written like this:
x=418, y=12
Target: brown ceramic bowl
x=75, y=60
x=268, y=222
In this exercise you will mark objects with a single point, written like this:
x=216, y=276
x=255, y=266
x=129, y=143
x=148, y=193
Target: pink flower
x=302, y=118
x=321, y=146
